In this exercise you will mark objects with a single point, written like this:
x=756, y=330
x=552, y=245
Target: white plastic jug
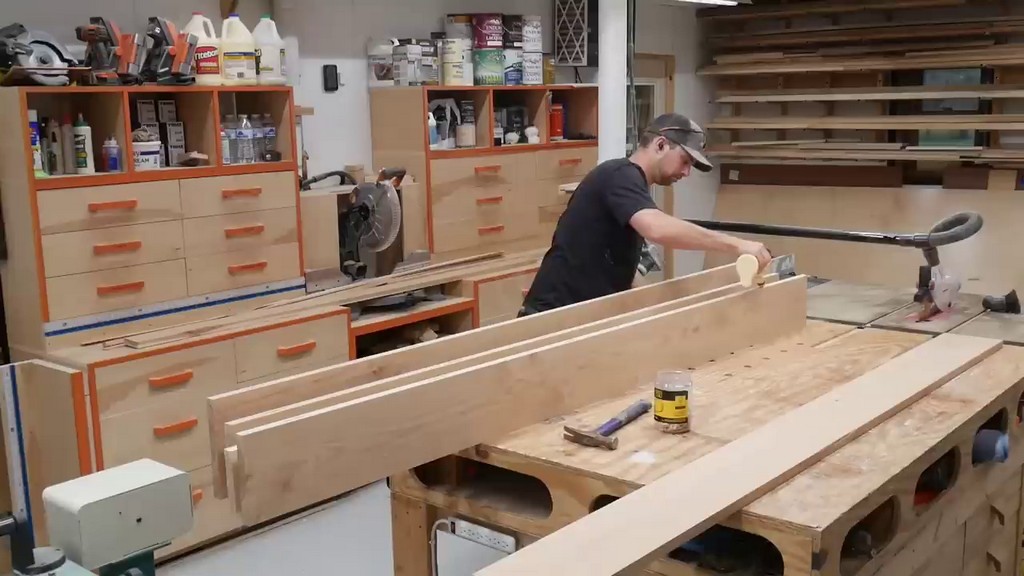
x=270, y=53
x=207, y=61
x=237, y=53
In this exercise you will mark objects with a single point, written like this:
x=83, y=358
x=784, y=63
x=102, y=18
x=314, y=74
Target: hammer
x=602, y=436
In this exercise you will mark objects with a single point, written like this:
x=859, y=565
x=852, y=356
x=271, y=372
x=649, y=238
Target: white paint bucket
x=147, y=155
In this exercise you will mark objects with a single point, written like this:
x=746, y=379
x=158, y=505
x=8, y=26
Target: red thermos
x=556, y=121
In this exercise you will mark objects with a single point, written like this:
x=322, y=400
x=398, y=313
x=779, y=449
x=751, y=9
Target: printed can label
x=207, y=60
x=672, y=407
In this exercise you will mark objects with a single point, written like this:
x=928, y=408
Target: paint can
x=457, y=73
x=488, y=31
x=459, y=26
x=513, y=67
x=533, y=37
x=456, y=50
x=513, y=30
x=489, y=67
x=556, y=122
x=533, y=68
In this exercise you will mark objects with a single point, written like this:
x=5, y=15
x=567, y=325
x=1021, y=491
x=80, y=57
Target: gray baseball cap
x=686, y=133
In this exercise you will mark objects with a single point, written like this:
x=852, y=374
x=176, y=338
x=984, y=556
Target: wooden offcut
x=333, y=379
x=679, y=506
x=352, y=444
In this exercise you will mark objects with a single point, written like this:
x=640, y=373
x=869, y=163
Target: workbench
x=532, y=482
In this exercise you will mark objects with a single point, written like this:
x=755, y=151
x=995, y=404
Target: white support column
x=611, y=79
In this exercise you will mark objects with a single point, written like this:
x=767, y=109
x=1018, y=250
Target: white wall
x=60, y=17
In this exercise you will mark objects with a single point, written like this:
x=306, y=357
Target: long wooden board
x=681, y=505
x=986, y=91
x=908, y=122
x=275, y=394
x=232, y=428
x=352, y=444
x=824, y=7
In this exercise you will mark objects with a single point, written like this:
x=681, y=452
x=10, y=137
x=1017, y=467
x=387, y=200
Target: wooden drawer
x=463, y=180
x=233, y=194
x=104, y=206
x=229, y=270
x=482, y=231
x=546, y=192
x=106, y=248
x=310, y=344
x=246, y=230
x=498, y=299
x=571, y=162
x=174, y=433
x=196, y=372
x=480, y=203
x=211, y=516
x=106, y=290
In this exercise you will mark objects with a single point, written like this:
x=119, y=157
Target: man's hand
x=756, y=249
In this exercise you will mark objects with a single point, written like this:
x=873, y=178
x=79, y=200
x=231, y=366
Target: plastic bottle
x=270, y=53
x=67, y=139
x=432, y=130
x=237, y=53
x=231, y=127
x=246, y=149
x=207, y=60
x=111, y=155
x=225, y=145
x=84, y=161
x=269, y=134
x=34, y=141
x=55, y=161
x=259, y=146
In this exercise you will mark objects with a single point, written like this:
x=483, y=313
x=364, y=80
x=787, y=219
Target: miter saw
x=369, y=218
x=45, y=60
x=937, y=290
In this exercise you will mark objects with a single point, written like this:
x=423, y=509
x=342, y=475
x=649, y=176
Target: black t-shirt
x=594, y=251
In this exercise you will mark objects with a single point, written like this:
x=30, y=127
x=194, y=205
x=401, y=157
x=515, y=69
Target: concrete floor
x=354, y=533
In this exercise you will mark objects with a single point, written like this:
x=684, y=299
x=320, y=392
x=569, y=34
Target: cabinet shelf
x=173, y=173
x=510, y=149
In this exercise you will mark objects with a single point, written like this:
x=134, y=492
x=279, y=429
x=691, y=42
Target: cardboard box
x=167, y=111
x=145, y=111
x=172, y=134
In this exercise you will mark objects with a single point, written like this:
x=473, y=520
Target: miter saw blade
x=385, y=215
x=40, y=52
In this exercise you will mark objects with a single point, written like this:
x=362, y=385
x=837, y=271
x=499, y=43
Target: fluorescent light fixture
x=713, y=2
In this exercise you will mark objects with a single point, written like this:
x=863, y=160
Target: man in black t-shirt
x=598, y=241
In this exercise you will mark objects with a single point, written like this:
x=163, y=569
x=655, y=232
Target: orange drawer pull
x=157, y=382
x=570, y=162
x=197, y=496
x=176, y=428
x=120, y=288
x=243, y=268
x=491, y=200
x=288, y=351
x=254, y=230
x=488, y=169
x=241, y=192
x=114, y=205
x=489, y=230
x=117, y=248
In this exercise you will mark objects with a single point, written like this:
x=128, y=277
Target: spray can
x=55, y=150
x=672, y=390
x=37, y=147
x=111, y=155
x=84, y=161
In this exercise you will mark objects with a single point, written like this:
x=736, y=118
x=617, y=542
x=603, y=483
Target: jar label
x=672, y=407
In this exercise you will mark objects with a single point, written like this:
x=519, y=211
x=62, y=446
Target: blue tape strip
x=62, y=331
x=21, y=452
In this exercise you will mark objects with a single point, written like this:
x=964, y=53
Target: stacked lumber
x=791, y=72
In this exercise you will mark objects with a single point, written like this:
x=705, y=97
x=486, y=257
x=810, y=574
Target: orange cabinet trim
x=490, y=230
x=570, y=162
x=158, y=382
x=197, y=496
x=297, y=349
x=491, y=200
x=120, y=288
x=487, y=169
x=117, y=247
x=176, y=428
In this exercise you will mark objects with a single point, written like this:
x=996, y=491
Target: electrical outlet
x=485, y=536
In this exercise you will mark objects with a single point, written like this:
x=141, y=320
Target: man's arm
x=660, y=228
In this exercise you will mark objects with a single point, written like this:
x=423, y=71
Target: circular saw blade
x=385, y=217
x=47, y=53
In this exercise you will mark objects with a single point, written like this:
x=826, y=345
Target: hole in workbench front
x=936, y=480
x=602, y=501
x=491, y=486
x=991, y=442
x=723, y=550
x=869, y=537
